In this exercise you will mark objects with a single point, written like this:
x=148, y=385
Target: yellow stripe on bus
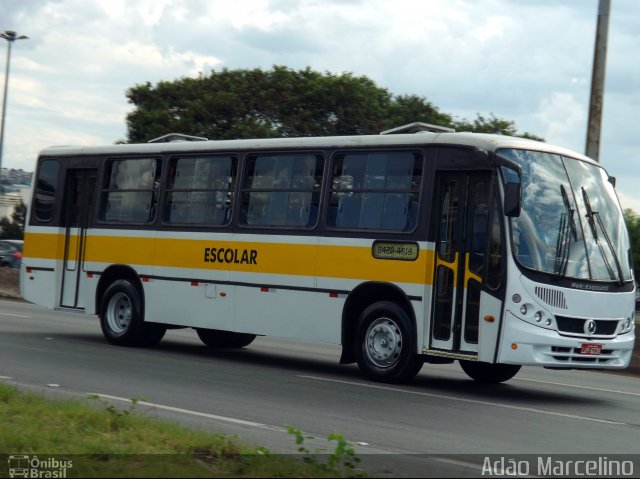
x=43, y=245
x=347, y=262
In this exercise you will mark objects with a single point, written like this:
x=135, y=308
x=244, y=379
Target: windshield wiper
x=570, y=212
x=567, y=224
x=562, y=248
x=592, y=216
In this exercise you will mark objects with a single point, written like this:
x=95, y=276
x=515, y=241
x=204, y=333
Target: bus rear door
x=78, y=209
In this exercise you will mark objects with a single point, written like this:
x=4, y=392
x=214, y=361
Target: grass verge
x=109, y=442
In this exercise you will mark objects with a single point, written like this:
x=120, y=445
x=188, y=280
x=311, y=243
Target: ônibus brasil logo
x=33, y=467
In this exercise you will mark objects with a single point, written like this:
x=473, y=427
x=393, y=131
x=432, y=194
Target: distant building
x=17, y=186
x=16, y=177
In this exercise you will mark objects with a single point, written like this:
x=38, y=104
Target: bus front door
x=78, y=208
x=462, y=232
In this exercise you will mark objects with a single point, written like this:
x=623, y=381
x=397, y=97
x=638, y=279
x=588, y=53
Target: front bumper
x=528, y=345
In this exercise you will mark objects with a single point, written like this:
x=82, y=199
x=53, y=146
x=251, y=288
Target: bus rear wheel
x=489, y=373
x=385, y=344
x=224, y=339
x=121, y=318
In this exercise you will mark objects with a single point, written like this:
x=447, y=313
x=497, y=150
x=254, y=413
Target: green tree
x=492, y=124
x=282, y=102
x=632, y=220
x=14, y=228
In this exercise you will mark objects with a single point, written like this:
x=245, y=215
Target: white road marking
x=466, y=400
x=6, y=377
x=578, y=386
x=16, y=315
x=194, y=413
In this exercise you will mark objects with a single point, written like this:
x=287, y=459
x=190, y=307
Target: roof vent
x=417, y=127
x=169, y=137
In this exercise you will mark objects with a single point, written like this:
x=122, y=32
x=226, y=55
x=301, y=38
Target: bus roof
x=481, y=141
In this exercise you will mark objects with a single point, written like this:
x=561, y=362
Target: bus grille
x=552, y=297
x=575, y=327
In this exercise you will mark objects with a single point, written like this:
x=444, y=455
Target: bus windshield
x=570, y=223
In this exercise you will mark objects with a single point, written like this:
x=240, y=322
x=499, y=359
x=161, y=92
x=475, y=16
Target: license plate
x=591, y=349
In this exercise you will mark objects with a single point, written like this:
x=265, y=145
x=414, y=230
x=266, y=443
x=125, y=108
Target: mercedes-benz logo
x=590, y=327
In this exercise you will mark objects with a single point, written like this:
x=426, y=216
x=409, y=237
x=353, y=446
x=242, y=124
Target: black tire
x=385, y=344
x=122, y=317
x=224, y=339
x=489, y=373
x=154, y=334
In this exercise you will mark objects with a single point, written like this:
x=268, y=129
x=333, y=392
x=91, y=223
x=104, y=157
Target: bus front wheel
x=489, y=373
x=224, y=339
x=385, y=344
x=121, y=317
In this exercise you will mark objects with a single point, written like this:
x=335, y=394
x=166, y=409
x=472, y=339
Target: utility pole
x=596, y=101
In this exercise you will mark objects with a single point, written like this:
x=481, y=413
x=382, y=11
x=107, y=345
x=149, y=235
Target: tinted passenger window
x=478, y=223
x=200, y=191
x=375, y=191
x=45, y=195
x=282, y=190
x=130, y=190
x=494, y=271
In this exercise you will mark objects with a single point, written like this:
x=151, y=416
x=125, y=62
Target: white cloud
x=559, y=117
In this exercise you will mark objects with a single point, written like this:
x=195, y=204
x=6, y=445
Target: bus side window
x=494, y=261
x=45, y=195
x=130, y=194
x=282, y=191
x=375, y=191
x=479, y=223
x=199, y=190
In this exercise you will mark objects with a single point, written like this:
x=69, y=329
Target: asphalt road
x=431, y=427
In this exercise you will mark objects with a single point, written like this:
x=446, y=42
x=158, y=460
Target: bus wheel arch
x=120, y=306
x=114, y=273
x=363, y=296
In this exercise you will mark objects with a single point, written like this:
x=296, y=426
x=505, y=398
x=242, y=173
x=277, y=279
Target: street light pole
x=10, y=37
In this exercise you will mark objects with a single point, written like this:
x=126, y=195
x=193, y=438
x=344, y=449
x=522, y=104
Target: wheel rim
x=119, y=312
x=383, y=342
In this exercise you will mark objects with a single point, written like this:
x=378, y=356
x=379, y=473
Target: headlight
x=538, y=316
x=626, y=325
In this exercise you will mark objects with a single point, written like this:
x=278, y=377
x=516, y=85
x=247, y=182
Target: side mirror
x=612, y=180
x=512, y=199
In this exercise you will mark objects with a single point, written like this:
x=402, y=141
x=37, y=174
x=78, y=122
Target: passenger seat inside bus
x=348, y=211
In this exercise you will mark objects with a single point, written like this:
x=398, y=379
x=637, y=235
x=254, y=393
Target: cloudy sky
x=529, y=61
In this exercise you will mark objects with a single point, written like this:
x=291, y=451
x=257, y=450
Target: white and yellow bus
x=403, y=248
